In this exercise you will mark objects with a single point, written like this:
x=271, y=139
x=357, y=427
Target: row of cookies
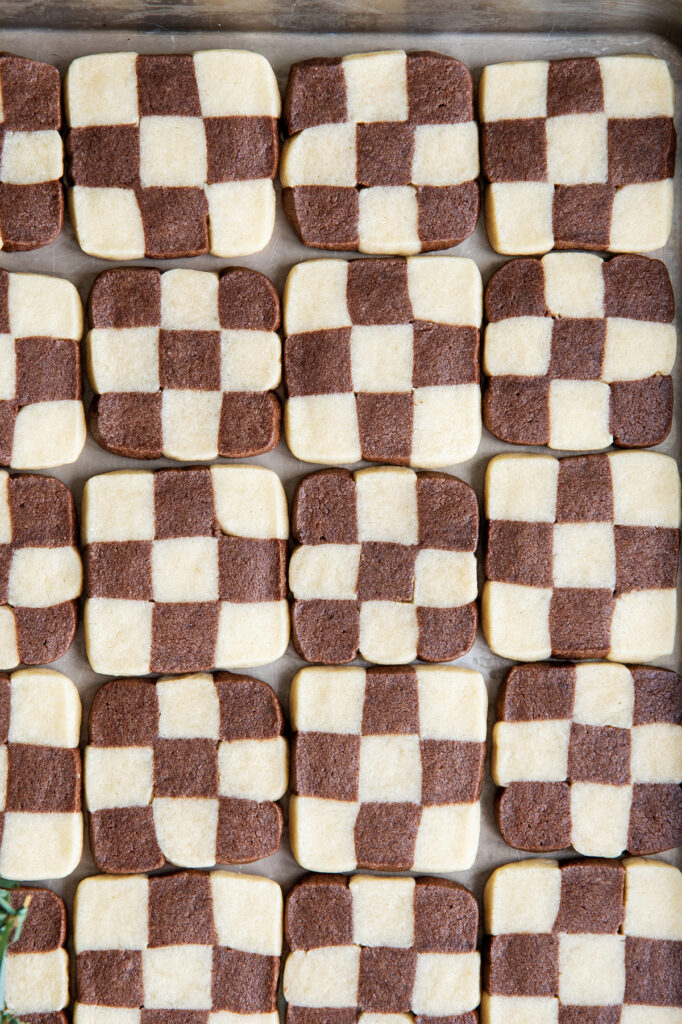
x=381, y=360
x=581, y=940
x=173, y=155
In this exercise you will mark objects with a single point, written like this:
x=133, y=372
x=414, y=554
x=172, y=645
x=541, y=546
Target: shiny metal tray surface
x=57, y=33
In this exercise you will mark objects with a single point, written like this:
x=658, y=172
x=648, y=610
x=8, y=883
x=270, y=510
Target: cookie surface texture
x=581, y=558
x=579, y=352
x=383, y=152
x=186, y=570
x=369, y=946
x=190, y=945
x=584, y=940
x=183, y=364
x=385, y=566
x=37, y=965
x=381, y=361
x=387, y=766
x=31, y=154
x=41, y=826
x=578, y=154
x=589, y=756
x=185, y=770
x=172, y=155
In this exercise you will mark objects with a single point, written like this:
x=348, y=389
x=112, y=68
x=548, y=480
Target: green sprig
x=11, y=922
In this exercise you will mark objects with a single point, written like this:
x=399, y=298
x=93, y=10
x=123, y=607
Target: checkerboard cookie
x=42, y=423
x=41, y=826
x=381, y=360
x=579, y=351
x=387, y=766
x=183, y=363
x=581, y=558
x=385, y=566
x=190, y=946
x=184, y=770
x=36, y=964
x=173, y=154
x=41, y=574
x=579, y=154
x=186, y=569
x=383, y=154
x=370, y=949
x=31, y=154
x=591, y=757
x=583, y=941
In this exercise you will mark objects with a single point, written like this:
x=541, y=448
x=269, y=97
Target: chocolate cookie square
x=136, y=954
x=610, y=528
x=36, y=964
x=575, y=941
x=190, y=373
x=586, y=362
x=172, y=155
x=401, y=745
x=586, y=756
x=42, y=423
x=186, y=569
x=384, y=367
x=381, y=946
x=184, y=770
x=382, y=154
x=41, y=826
x=385, y=566
x=578, y=154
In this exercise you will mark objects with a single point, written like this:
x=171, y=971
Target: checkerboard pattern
x=183, y=363
x=41, y=826
x=591, y=757
x=36, y=964
x=579, y=352
x=186, y=569
x=385, y=566
x=583, y=941
x=42, y=423
x=31, y=154
x=581, y=557
x=381, y=948
x=172, y=155
x=579, y=154
x=191, y=946
x=185, y=770
x=383, y=156
x=41, y=573
x=387, y=766
x=383, y=364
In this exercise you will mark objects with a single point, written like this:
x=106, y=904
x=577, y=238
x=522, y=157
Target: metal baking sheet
x=64, y=258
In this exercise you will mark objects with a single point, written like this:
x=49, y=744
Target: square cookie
x=37, y=965
x=31, y=154
x=184, y=770
x=383, y=152
x=579, y=351
x=589, y=756
x=382, y=364
x=386, y=768
x=42, y=423
x=190, y=946
x=366, y=949
x=41, y=826
x=186, y=569
x=579, y=154
x=172, y=154
x=581, y=558
x=183, y=364
x=385, y=567
x=580, y=941
x=41, y=573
